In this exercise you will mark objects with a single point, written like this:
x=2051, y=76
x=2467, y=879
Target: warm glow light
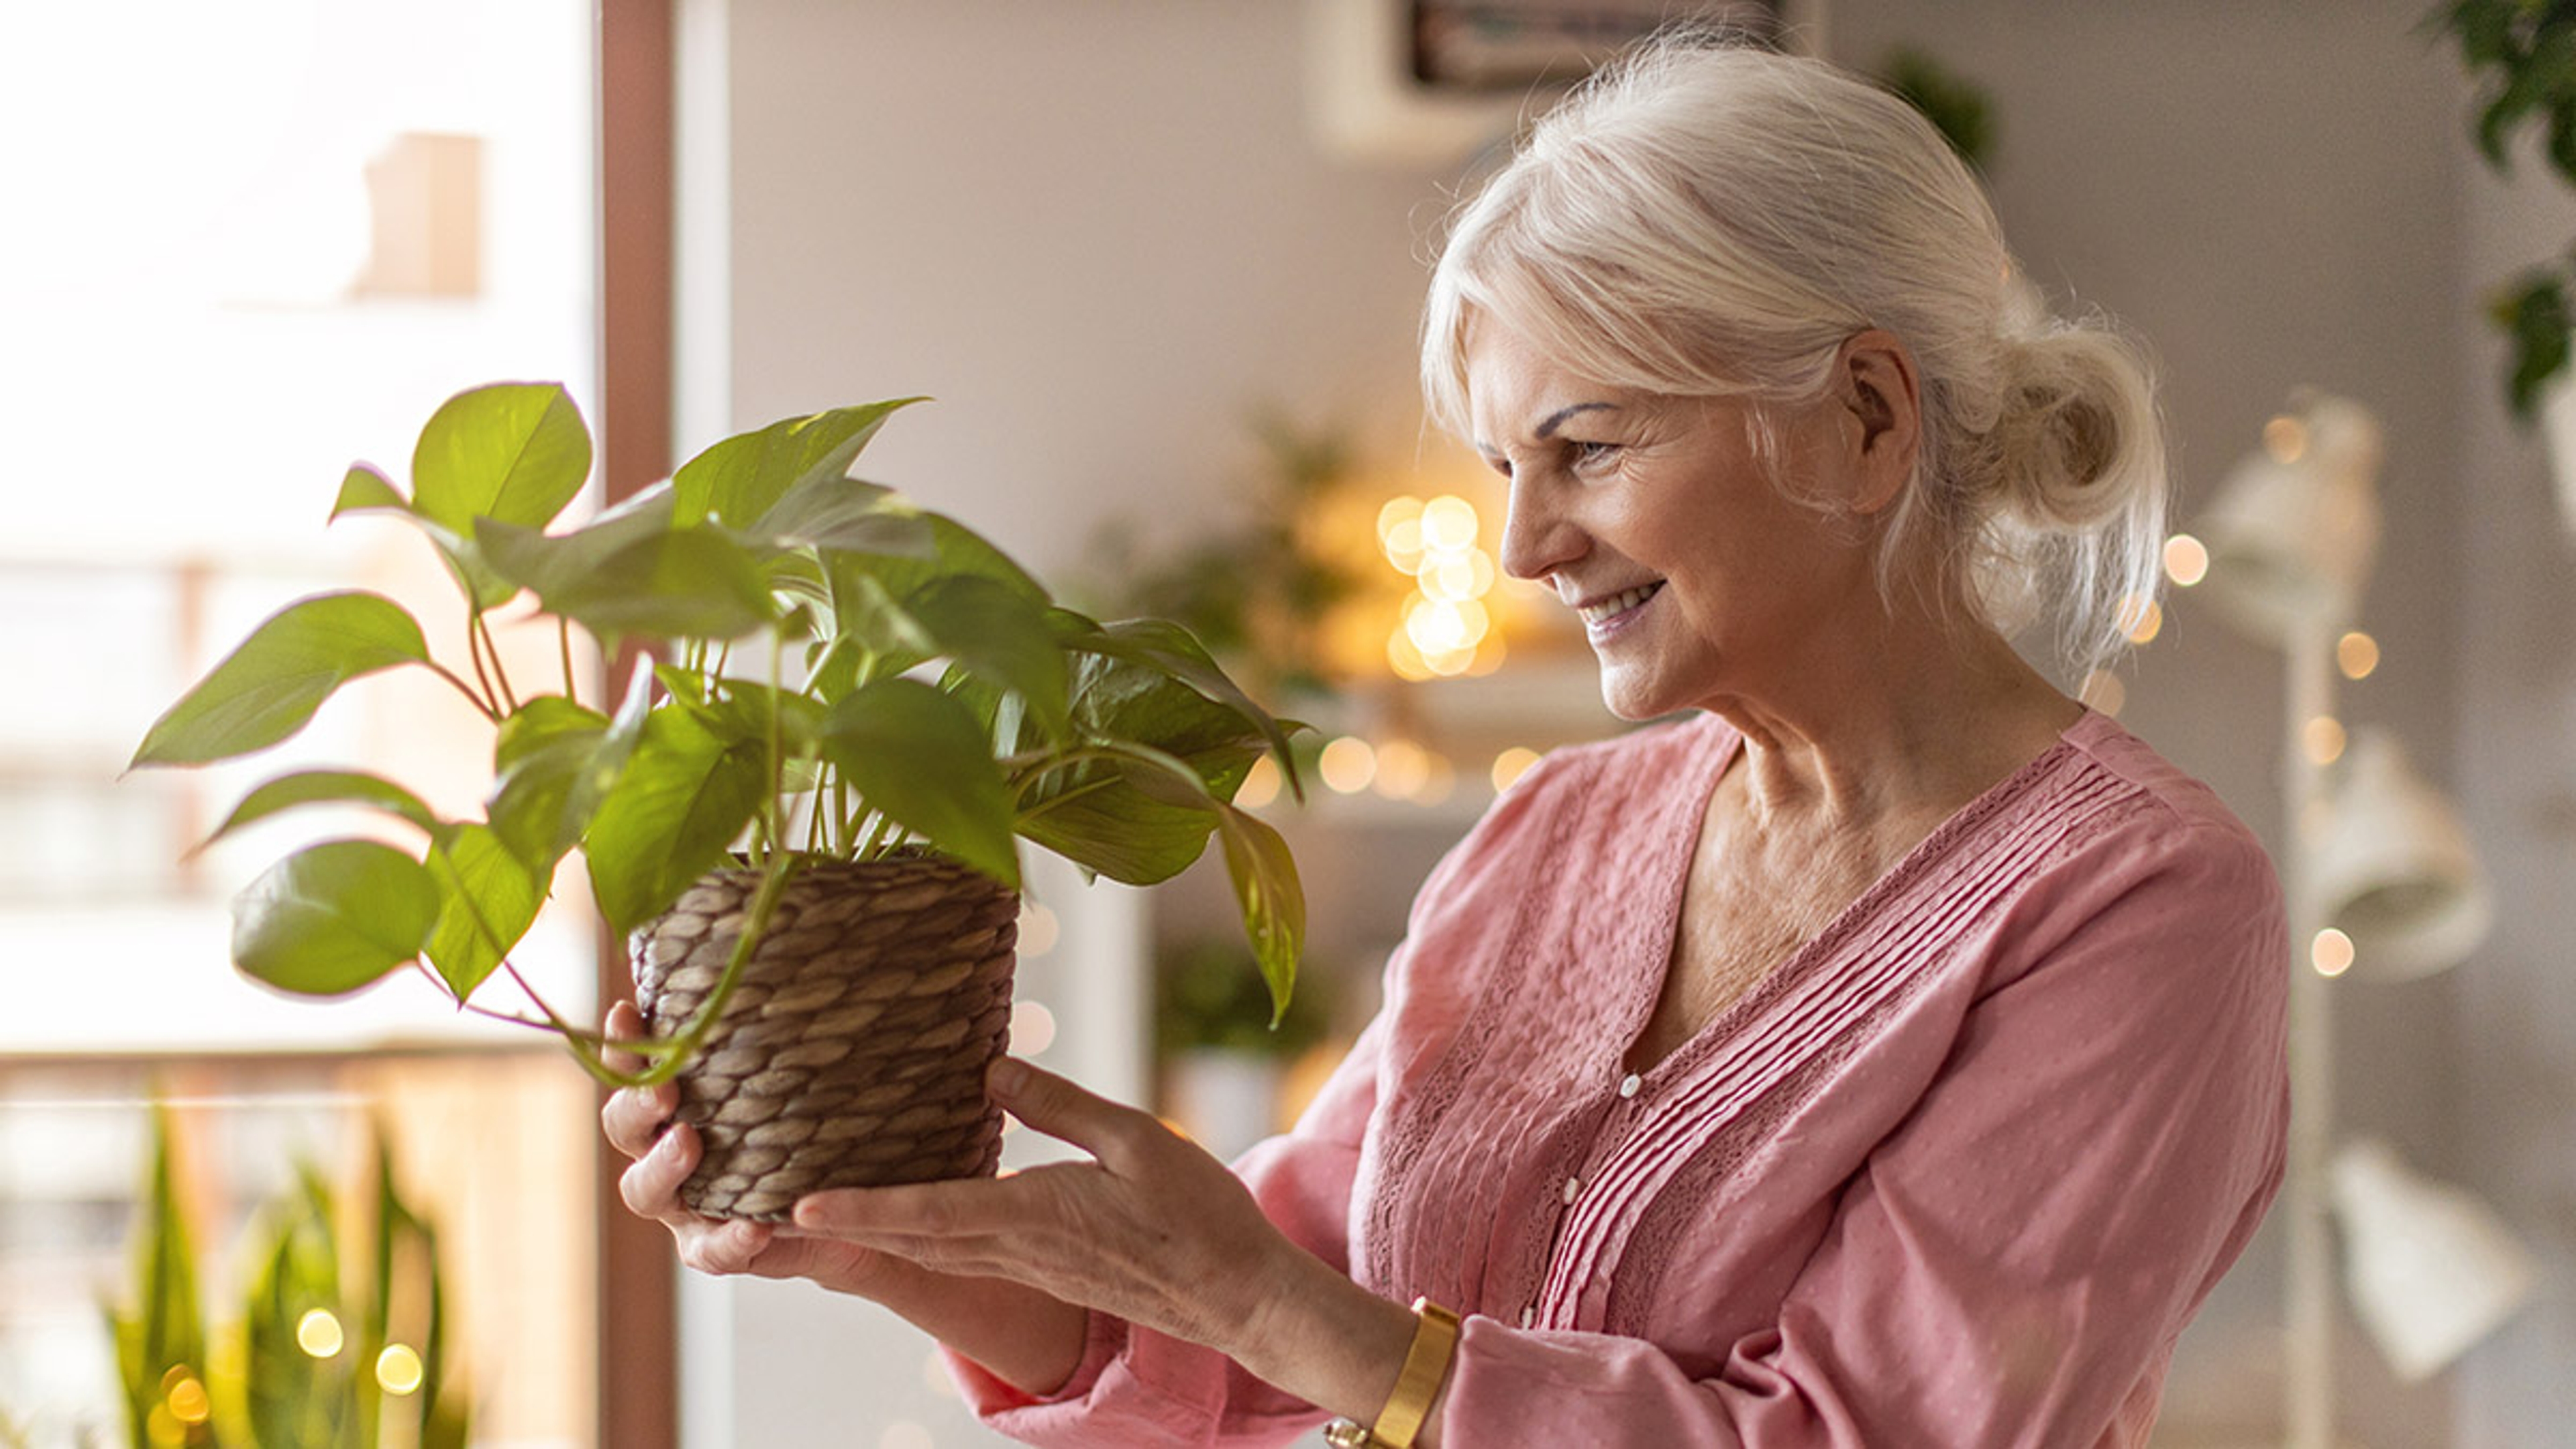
x=2104, y=691
x=1510, y=765
x=1397, y=513
x=1347, y=765
x=188, y=1401
x=1403, y=768
x=1405, y=658
x=1448, y=523
x=1450, y=663
x=2323, y=738
x=2142, y=619
x=2186, y=559
x=1261, y=784
x=1032, y=1028
x=2286, y=439
x=318, y=1333
x=1451, y=578
x=398, y=1370
x=1038, y=929
x=2331, y=952
x=1437, y=782
x=2357, y=654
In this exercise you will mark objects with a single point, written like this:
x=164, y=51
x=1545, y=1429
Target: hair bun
x=2077, y=429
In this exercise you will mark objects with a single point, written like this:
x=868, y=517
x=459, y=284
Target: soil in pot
x=852, y=1052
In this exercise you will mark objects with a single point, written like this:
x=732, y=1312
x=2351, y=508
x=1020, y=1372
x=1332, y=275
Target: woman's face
x=1700, y=585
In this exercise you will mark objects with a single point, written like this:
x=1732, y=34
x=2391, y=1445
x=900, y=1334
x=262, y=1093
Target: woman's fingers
x=1116, y=1134
x=651, y=1185
x=632, y=1117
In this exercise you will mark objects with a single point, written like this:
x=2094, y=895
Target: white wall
x=1099, y=234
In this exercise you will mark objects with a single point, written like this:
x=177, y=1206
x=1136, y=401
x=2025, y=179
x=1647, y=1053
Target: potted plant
x=806, y=811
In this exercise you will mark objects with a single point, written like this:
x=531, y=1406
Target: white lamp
x=2295, y=528
x=2432, y=1269
x=2393, y=868
x=2375, y=853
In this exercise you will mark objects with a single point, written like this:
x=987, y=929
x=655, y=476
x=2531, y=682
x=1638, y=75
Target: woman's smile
x=1611, y=614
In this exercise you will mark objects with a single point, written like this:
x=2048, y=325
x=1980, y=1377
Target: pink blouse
x=1955, y=1174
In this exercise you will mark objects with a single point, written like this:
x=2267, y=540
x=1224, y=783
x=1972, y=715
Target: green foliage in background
x=2522, y=54
x=1257, y=594
x=373, y=1371
x=837, y=674
x=1956, y=106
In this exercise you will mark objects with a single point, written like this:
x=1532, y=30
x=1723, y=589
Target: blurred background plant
x=1259, y=595
x=341, y=1341
x=2522, y=56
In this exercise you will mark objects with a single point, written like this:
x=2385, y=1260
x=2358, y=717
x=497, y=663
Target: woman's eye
x=1591, y=455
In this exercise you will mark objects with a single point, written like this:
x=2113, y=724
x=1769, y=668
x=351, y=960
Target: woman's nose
x=1537, y=538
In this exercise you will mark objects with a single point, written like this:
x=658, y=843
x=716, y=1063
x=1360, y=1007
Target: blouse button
x=1573, y=1190
x=1529, y=1314
x=1629, y=1084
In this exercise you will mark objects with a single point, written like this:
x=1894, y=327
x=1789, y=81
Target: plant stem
x=474, y=651
x=492, y=649
x=776, y=809
x=482, y=706
x=563, y=640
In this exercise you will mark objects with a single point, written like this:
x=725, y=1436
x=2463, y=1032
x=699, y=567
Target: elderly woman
x=1890, y=1052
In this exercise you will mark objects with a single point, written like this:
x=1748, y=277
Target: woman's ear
x=1876, y=385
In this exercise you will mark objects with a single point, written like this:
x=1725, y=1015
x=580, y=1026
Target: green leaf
x=1170, y=650
x=333, y=917
x=955, y=549
x=741, y=478
x=488, y=897
x=365, y=490
x=1272, y=900
x=1101, y=819
x=672, y=815
x=552, y=763
x=999, y=635
x=2539, y=316
x=269, y=688
x=826, y=511
x=317, y=787
x=1108, y=817
x=921, y=758
x=634, y=574
x=511, y=452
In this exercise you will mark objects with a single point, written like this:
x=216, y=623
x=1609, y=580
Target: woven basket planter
x=852, y=1052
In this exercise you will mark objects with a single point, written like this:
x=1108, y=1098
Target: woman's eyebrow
x=1547, y=427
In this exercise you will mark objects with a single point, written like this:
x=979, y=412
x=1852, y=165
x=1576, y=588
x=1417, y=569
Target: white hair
x=1714, y=220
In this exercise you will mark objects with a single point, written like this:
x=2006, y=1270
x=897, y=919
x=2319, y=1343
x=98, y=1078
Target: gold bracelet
x=1426, y=1364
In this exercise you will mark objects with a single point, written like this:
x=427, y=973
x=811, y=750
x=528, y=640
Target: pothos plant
x=836, y=673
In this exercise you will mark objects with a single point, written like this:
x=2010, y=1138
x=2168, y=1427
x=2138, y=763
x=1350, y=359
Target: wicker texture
x=852, y=1052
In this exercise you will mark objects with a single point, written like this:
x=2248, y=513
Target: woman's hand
x=1027, y=1339
x=1153, y=1230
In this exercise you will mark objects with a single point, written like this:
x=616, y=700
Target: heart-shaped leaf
x=333, y=917
x=267, y=689
x=921, y=758
x=552, y=763
x=488, y=897
x=513, y=452
x=738, y=480
x=633, y=574
x=324, y=787
x=674, y=812
x=1271, y=898
x=998, y=635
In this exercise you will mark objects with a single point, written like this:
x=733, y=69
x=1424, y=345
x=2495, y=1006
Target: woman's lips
x=1601, y=612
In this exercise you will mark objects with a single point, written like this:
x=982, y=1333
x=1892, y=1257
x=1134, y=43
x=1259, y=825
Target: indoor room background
x=1121, y=242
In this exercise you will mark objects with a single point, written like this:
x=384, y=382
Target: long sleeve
x=1138, y=1387
x=2012, y=1262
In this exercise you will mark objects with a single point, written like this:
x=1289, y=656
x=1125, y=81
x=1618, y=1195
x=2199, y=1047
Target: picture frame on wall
x=1514, y=45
